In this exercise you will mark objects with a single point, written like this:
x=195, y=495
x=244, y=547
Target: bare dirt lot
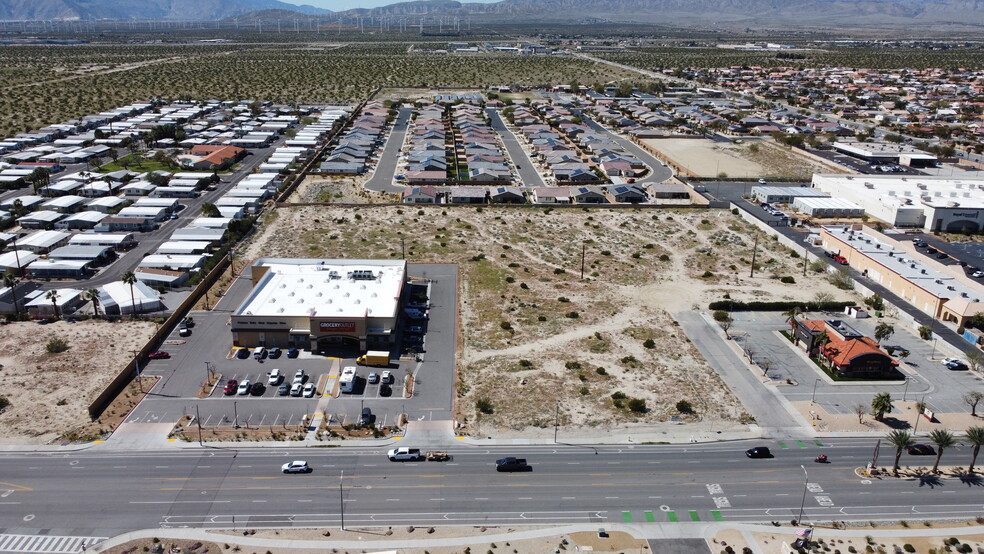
x=604, y=350
x=752, y=159
x=49, y=393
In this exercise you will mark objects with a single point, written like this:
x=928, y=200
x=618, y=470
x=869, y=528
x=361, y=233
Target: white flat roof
x=43, y=238
x=326, y=288
x=901, y=190
x=827, y=203
x=917, y=269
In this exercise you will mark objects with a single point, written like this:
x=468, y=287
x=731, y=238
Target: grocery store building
x=315, y=304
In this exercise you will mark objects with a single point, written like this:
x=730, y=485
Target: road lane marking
x=722, y=502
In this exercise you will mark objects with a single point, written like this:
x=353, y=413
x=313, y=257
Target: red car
x=159, y=355
x=840, y=259
x=231, y=386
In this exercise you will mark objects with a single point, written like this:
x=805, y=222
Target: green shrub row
x=756, y=306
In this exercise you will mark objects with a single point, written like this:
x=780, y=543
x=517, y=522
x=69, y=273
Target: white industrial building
x=827, y=207
x=927, y=202
x=784, y=195
x=887, y=153
x=115, y=299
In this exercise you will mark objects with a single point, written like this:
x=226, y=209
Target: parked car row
x=261, y=352
x=299, y=387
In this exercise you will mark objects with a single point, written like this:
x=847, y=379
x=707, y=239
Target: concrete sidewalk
x=648, y=531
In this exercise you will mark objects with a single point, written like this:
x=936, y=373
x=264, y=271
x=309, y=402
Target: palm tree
x=53, y=296
x=920, y=408
x=881, y=404
x=93, y=295
x=975, y=436
x=11, y=281
x=942, y=439
x=821, y=340
x=130, y=279
x=900, y=440
x=792, y=314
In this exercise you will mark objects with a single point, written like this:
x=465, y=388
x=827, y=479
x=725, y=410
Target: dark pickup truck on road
x=512, y=464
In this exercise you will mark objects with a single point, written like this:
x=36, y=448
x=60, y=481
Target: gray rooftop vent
x=950, y=287
x=923, y=271
x=913, y=266
x=963, y=294
x=939, y=281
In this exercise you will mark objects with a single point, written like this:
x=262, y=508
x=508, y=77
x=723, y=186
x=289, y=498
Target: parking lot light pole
x=556, y=422
x=906, y=390
x=235, y=412
x=806, y=482
x=814, y=397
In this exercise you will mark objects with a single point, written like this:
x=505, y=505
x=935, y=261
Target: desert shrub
x=484, y=405
x=684, y=407
x=56, y=346
x=572, y=315
x=721, y=315
x=505, y=326
x=707, y=275
x=787, y=279
x=650, y=344
x=573, y=365
x=637, y=405
x=601, y=371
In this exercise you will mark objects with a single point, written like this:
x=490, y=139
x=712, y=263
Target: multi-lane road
x=101, y=493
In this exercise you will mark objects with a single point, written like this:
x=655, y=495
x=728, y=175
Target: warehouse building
x=317, y=304
x=827, y=207
x=785, y=195
x=927, y=202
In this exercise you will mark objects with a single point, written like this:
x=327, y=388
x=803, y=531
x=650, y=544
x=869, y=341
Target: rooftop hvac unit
x=921, y=186
x=869, y=185
x=891, y=254
x=963, y=294
x=923, y=271
x=939, y=281
x=878, y=246
x=913, y=266
x=950, y=287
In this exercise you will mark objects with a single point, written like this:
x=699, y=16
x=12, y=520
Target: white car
x=978, y=274
x=948, y=361
x=386, y=377
x=275, y=376
x=297, y=466
x=295, y=389
x=299, y=377
x=309, y=390
x=244, y=387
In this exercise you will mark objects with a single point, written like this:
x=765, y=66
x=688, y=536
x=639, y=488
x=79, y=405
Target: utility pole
x=235, y=414
x=556, y=422
x=582, y=263
x=198, y=419
x=806, y=260
x=754, y=253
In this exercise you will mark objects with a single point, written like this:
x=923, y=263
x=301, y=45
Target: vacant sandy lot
x=49, y=394
x=752, y=159
x=531, y=328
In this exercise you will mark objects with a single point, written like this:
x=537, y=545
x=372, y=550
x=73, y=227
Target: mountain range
x=724, y=13
x=196, y=10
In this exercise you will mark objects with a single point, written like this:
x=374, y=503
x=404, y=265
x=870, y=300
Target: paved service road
x=104, y=492
x=382, y=176
x=528, y=173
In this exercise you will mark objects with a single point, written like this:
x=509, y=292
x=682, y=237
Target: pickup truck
x=405, y=455
x=511, y=464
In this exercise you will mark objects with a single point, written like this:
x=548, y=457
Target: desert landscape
x=531, y=327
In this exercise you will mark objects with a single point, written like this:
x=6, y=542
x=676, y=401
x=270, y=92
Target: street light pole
x=806, y=481
x=198, y=420
x=235, y=412
x=814, y=397
x=906, y=390
x=341, y=501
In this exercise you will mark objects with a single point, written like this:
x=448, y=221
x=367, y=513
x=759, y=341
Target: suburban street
x=244, y=488
x=382, y=175
x=528, y=174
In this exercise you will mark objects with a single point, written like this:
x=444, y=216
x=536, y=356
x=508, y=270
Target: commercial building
x=317, y=304
x=940, y=291
x=930, y=203
x=784, y=195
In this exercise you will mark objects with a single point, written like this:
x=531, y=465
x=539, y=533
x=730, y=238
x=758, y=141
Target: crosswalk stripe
x=54, y=544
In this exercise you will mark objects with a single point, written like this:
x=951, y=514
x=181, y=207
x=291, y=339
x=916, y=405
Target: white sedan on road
x=297, y=466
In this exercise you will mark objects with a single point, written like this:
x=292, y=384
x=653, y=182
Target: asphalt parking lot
x=209, y=348
x=924, y=377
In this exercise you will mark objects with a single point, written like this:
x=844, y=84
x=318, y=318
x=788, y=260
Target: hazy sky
x=342, y=5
